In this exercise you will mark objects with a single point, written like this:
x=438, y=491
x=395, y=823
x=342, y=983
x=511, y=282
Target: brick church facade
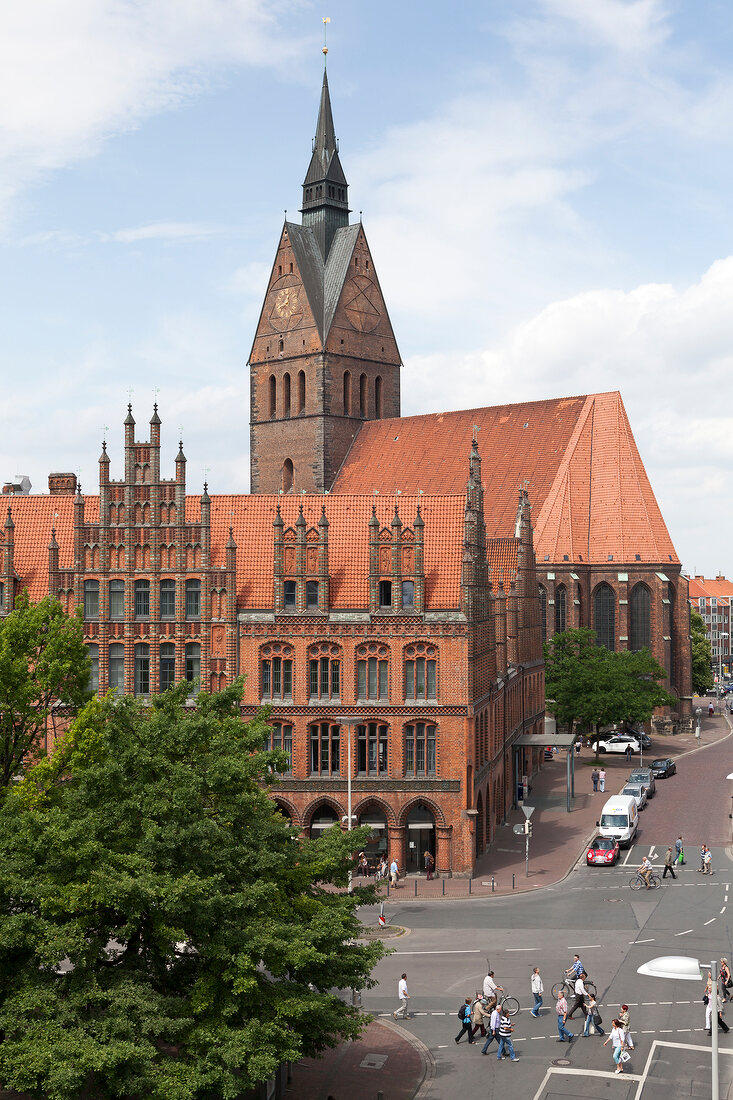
x=378, y=588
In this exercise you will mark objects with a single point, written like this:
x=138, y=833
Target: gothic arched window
x=640, y=627
x=561, y=609
x=286, y=395
x=347, y=393
x=543, y=611
x=362, y=396
x=604, y=616
x=301, y=392
x=287, y=475
x=378, y=412
x=273, y=397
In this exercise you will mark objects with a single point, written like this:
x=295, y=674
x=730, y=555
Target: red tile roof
x=590, y=493
x=251, y=518
x=502, y=558
x=719, y=587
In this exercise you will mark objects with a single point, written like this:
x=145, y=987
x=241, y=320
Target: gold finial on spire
x=326, y=21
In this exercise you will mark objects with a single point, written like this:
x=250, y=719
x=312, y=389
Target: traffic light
x=528, y=828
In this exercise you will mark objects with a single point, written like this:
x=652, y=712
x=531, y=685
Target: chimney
x=62, y=485
x=20, y=486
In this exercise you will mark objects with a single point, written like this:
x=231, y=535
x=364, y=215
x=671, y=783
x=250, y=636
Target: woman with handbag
x=593, y=1017
x=617, y=1039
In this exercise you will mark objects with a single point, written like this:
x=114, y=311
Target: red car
x=604, y=850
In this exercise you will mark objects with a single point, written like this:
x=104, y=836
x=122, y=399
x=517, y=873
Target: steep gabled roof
x=590, y=494
x=323, y=283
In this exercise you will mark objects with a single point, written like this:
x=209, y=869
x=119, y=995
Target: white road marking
x=583, y=946
x=645, y=1003
x=686, y=933
x=710, y=921
x=471, y=951
x=628, y=854
x=722, y=910
x=521, y=949
x=642, y=941
x=652, y=851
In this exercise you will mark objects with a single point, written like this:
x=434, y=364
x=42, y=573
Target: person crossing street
x=669, y=861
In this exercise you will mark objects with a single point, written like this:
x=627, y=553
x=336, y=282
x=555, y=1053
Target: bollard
x=387, y=887
x=415, y=887
x=512, y=882
x=380, y=1095
x=469, y=885
x=492, y=884
x=443, y=887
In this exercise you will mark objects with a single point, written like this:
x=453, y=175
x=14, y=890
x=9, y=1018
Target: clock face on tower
x=286, y=310
x=362, y=303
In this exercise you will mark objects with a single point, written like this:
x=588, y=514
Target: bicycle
x=506, y=1004
x=567, y=985
x=636, y=881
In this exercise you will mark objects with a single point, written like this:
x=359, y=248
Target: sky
x=546, y=191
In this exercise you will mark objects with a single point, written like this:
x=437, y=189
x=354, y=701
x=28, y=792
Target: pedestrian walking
x=580, y=995
x=711, y=710
x=494, y=1022
x=594, y=778
x=679, y=850
x=480, y=1016
x=707, y=1000
x=602, y=780
x=625, y=1022
x=707, y=862
x=593, y=1018
x=464, y=1015
x=617, y=1039
x=561, y=1008
x=429, y=864
x=505, y=1038
x=394, y=872
x=537, y=990
x=726, y=981
x=669, y=860
x=401, y=1012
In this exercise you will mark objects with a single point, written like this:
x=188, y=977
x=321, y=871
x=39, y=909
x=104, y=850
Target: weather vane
x=326, y=21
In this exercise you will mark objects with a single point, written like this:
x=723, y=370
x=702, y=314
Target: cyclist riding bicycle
x=491, y=990
x=645, y=870
x=575, y=970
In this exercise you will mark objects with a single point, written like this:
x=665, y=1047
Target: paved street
x=614, y=929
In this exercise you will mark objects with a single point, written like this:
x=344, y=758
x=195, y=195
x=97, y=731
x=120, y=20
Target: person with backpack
x=464, y=1015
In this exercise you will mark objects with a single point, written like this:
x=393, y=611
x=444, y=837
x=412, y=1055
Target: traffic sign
x=519, y=829
x=528, y=810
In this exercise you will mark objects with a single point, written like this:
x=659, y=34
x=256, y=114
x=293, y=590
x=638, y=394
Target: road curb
x=426, y=1057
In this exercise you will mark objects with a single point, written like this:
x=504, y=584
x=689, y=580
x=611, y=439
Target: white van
x=619, y=818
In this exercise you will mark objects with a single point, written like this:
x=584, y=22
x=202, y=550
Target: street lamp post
x=348, y=722
x=720, y=664
x=683, y=968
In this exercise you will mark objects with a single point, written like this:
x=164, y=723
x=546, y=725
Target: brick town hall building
x=380, y=583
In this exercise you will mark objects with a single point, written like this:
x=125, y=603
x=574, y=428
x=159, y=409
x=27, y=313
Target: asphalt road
x=614, y=930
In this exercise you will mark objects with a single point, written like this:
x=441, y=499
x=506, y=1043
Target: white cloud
x=165, y=231
x=74, y=71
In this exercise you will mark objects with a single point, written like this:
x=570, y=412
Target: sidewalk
x=386, y=1058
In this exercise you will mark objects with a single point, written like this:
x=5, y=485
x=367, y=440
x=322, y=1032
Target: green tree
x=164, y=932
x=43, y=660
x=588, y=685
x=702, y=655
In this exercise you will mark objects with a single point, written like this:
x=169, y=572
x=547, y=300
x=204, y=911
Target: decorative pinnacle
x=326, y=21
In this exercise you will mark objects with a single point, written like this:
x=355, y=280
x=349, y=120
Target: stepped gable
x=577, y=457
x=34, y=518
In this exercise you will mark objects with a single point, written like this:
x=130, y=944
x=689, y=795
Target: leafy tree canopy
x=164, y=932
x=588, y=685
x=702, y=655
x=43, y=660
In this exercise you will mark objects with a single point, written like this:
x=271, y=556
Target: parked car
x=645, y=776
x=663, y=767
x=637, y=792
x=603, y=850
x=618, y=743
x=638, y=734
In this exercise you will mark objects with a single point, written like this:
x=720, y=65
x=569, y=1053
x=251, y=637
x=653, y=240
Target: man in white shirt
x=394, y=873
x=537, y=990
x=494, y=1024
x=490, y=988
x=645, y=871
x=404, y=996
x=580, y=995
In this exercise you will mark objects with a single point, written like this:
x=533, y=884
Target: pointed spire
x=278, y=520
x=419, y=521
x=155, y=419
x=205, y=498
x=53, y=545
x=396, y=521
x=129, y=419
x=180, y=457
x=300, y=521
x=231, y=544
x=104, y=457
x=9, y=521
x=323, y=522
x=325, y=190
x=374, y=522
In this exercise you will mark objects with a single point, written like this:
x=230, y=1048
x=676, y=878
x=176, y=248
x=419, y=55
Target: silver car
x=645, y=776
x=638, y=792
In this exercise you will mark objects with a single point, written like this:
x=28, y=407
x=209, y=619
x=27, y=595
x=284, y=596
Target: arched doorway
x=376, y=846
x=323, y=818
x=420, y=826
x=283, y=809
x=479, y=826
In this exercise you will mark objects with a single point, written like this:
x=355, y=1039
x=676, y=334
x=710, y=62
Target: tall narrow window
x=420, y=672
x=362, y=396
x=301, y=392
x=371, y=749
x=286, y=395
x=117, y=667
x=117, y=600
x=372, y=676
x=385, y=594
x=168, y=598
x=93, y=651
x=193, y=663
x=287, y=475
x=324, y=678
x=193, y=599
x=543, y=611
x=280, y=738
x=640, y=629
x=273, y=397
x=347, y=393
x=142, y=669
x=408, y=595
x=604, y=616
x=91, y=599
x=167, y=665
x=561, y=608
x=289, y=590
x=378, y=397
x=311, y=595
x=420, y=749
x=325, y=744
x=142, y=600
x=277, y=678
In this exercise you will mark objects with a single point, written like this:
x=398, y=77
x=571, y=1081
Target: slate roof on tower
x=577, y=456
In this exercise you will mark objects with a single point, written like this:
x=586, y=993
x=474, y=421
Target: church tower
x=324, y=357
